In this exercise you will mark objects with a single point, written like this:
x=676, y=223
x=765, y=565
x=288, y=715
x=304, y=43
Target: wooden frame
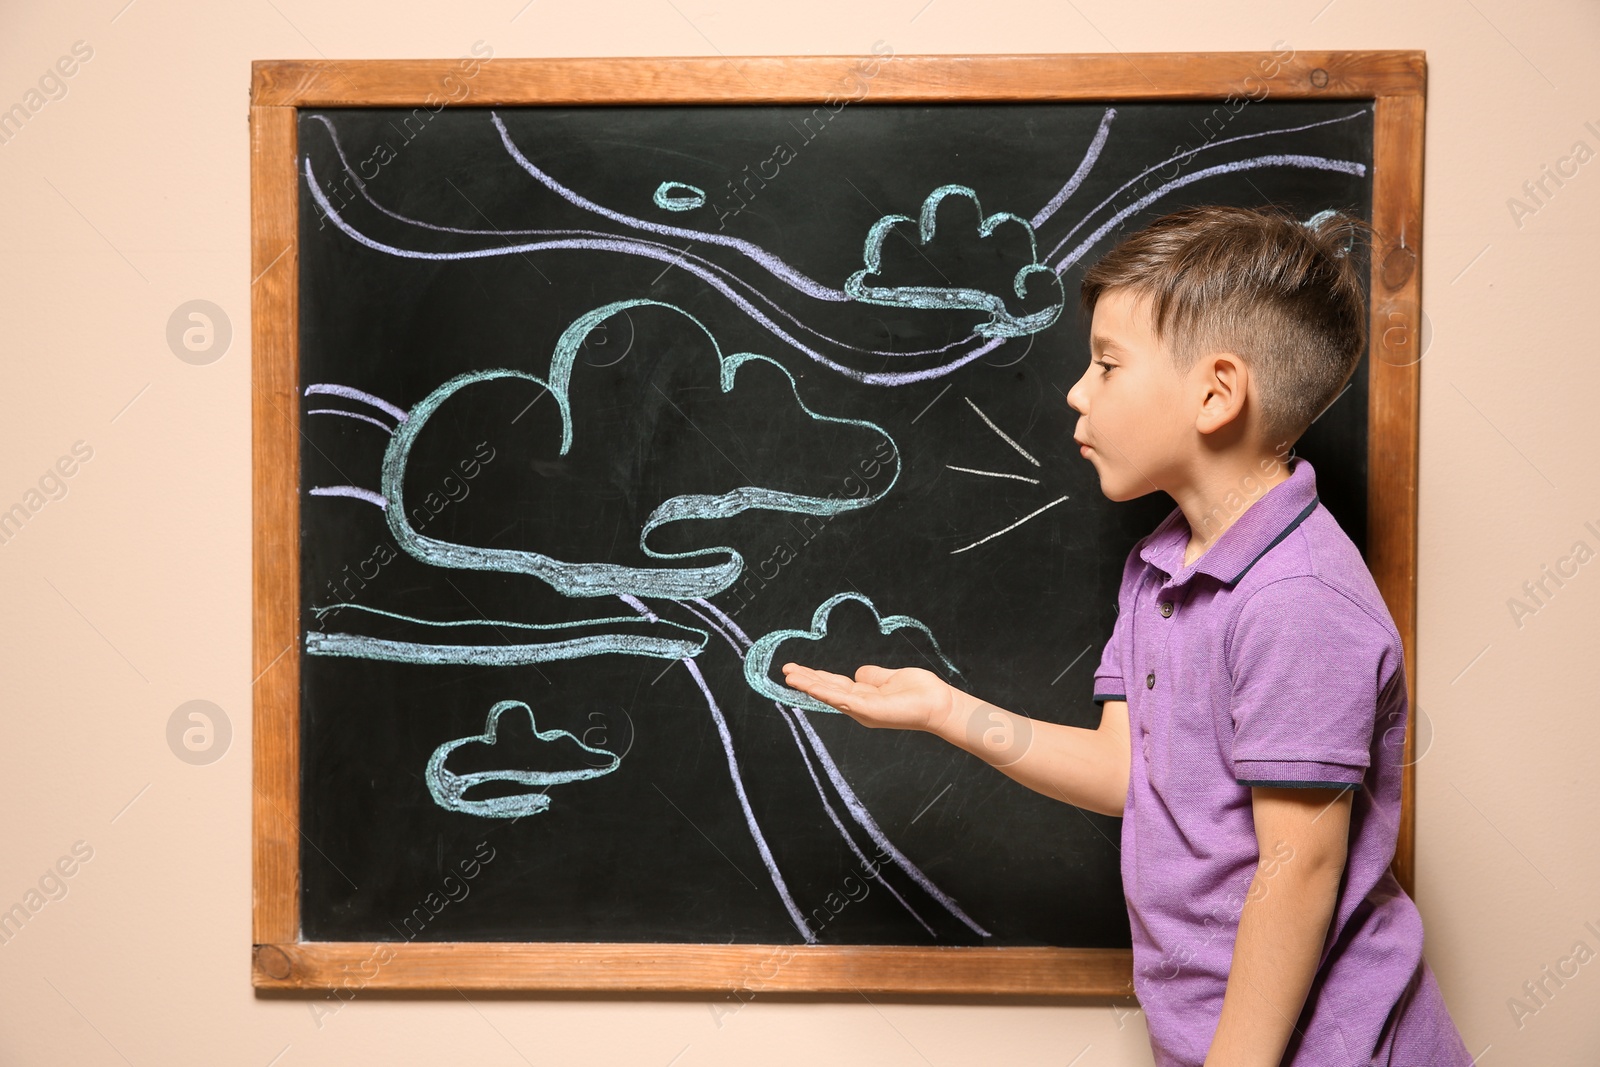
x=1394, y=80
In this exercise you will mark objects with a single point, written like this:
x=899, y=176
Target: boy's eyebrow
x=1101, y=341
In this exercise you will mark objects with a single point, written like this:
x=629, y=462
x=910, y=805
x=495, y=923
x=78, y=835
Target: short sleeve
x=1109, y=677
x=1307, y=666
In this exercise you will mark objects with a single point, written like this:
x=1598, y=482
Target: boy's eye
x=1107, y=366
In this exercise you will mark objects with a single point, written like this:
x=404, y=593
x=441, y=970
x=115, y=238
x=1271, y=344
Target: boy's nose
x=1075, y=397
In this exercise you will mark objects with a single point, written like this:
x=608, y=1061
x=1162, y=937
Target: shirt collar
x=1261, y=526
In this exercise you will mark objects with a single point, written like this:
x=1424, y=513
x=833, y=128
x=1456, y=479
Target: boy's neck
x=1215, y=498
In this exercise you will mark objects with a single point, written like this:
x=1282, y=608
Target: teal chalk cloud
x=758, y=660
x=696, y=572
x=864, y=286
x=449, y=789
x=673, y=580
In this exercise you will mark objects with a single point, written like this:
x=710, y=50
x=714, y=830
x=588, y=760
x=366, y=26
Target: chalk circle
x=198, y=732
x=590, y=345
x=199, y=332
x=1001, y=737
x=665, y=198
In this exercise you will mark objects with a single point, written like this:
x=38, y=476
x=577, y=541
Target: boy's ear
x=1223, y=382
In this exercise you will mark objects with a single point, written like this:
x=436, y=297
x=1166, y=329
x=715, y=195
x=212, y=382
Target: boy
x=1254, y=676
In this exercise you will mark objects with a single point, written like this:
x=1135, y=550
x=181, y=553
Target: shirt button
x=1150, y=680
x=1166, y=609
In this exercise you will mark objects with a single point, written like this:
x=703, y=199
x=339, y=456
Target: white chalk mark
x=1164, y=164
x=352, y=415
x=635, y=247
x=778, y=883
x=1013, y=526
x=993, y=474
x=1090, y=157
x=870, y=825
x=738, y=783
x=670, y=264
x=833, y=816
x=356, y=394
x=705, y=835
x=816, y=783
x=852, y=803
x=702, y=262
x=1023, y=452
x=1340, y=166
x=354, y=492
x=767, y=260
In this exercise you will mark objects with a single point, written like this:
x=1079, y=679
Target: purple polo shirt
x=1270, y=660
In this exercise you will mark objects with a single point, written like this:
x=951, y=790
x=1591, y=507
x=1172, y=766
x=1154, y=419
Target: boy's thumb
x=873, y=675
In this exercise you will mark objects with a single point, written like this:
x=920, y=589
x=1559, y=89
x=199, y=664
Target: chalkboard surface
x=596, y=399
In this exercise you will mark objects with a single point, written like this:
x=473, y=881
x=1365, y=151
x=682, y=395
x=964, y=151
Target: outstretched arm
x=1086, y=768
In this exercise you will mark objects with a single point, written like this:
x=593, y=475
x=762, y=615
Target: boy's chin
x=1120, y=490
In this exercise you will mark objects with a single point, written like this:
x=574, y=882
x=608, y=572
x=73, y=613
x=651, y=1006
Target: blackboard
x=603, y=409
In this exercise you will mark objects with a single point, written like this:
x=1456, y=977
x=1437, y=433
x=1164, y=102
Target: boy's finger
x=840, y=680
x=872, y=674
x=835, y=690
x=822, y=677
x=795, y=670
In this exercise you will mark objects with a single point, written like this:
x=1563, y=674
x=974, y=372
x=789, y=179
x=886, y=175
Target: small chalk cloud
x=1032, y=277
x=563, y=758
x=758, y=660
x=678, y=196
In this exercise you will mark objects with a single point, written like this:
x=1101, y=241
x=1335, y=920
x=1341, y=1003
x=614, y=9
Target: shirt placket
x=1158, y=609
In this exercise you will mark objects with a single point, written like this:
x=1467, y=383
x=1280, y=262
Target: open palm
x=909, y=698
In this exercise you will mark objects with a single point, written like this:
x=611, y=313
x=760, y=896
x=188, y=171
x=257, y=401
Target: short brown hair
x=1285, y=295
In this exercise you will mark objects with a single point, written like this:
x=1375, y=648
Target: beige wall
x=131, y=594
